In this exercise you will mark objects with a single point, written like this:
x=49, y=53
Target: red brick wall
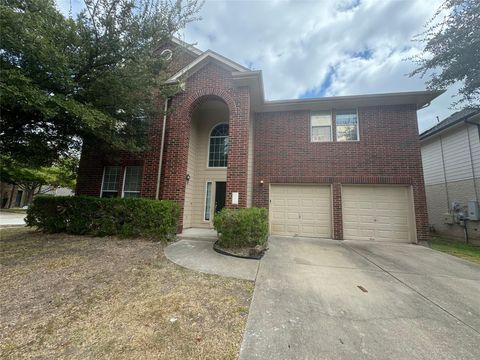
x=212, y=81
x=92, y=162
x=90, y=172
x=388, y=153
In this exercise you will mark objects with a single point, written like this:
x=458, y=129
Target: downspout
x=165, y=108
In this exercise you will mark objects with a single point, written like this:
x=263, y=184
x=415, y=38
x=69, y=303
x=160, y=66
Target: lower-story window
x=110, y=181
x=132, y=181
x=132, y=178
x=208, y=201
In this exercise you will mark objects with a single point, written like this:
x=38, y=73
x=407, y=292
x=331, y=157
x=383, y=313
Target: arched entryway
x=205, y=191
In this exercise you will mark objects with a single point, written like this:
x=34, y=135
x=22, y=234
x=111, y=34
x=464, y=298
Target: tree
x=93, y=78
x=39, y=180
x=452, y=50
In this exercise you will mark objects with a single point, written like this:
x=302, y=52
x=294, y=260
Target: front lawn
x=456, y=248
x=80, y=297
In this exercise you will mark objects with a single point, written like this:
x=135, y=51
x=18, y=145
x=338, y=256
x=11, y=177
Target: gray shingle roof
x=451, y=120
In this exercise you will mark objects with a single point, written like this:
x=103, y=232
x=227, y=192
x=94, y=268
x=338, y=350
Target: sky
x=319, y=48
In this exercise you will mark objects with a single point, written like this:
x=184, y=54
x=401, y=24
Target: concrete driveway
x=326, y=299
x=11, y=218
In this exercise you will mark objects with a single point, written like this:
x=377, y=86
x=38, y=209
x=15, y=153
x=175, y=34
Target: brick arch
x=203, y=95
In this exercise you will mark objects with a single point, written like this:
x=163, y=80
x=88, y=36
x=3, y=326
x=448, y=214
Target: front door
x=220, y=195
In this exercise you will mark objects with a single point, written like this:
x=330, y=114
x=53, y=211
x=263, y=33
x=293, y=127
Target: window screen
x=321, y=126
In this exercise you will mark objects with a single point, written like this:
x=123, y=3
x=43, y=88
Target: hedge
x=85, y=215
x=241, y=227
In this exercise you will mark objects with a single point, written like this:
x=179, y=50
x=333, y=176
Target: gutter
x=165, y=108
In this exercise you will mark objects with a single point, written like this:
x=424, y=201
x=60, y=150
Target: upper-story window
x=321, y=126
x=218, y=146
x=347, y=125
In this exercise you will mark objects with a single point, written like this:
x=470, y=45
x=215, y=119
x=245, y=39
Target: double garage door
x=380, y=213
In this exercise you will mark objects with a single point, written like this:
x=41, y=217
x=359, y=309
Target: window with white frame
x=321, y=126
x=208, y=201
x=346, y=122
x=218, y=146
x=110, y=181
x=132, y=181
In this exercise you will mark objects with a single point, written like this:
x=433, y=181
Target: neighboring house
x=12, y=196
x=451, y=166
x=345, y=167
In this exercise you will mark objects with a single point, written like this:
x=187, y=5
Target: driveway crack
x=412, y=288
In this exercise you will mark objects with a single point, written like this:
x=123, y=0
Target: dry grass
x=81, y=297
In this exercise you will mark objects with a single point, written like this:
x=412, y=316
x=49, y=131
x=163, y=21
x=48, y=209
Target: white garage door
x=300, y=210
x=380, y=213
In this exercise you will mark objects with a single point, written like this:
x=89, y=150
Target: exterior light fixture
x=261, y=182
x=187, y=178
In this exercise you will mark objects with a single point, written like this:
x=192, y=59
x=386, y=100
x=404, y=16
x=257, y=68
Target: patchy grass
x=456, y=248
x=81, y=297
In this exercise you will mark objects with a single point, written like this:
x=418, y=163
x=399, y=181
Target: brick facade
x=388, y=153
x=211, y=82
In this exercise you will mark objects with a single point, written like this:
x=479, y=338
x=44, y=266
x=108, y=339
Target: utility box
x=448, y=218
x=473, y=211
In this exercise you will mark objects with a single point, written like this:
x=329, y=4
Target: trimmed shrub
x=241, y=227
x=85, y=215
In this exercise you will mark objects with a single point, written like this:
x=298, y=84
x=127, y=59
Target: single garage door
x=380, y=213
x=300, y=210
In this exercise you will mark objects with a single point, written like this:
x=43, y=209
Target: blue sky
x=321, y=47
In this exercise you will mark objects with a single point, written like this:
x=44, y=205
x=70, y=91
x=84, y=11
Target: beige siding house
x=451, y=166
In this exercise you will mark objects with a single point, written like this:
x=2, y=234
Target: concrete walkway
x=11, y=219
x=325, y=299
x=199, y=255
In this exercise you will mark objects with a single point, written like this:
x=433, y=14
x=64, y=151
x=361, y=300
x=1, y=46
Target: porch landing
x=198, y=234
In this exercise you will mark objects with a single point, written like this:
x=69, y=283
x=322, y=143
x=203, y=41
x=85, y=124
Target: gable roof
x=243, y=76
x=201, y=61
x=459, y=116
x=187, y=46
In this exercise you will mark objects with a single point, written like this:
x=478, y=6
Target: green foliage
x=452, y=49
x=94, y=77
x=241, y=227
x=39, y=180
x=84, y=215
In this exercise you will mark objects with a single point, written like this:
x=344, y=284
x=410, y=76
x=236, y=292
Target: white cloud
x=297, y=44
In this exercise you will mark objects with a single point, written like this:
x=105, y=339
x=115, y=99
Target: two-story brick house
x=344, y=167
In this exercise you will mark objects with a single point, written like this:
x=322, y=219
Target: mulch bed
x=255, y=253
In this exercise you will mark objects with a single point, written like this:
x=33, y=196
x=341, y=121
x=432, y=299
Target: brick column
x=237, y=169
x=337, y=211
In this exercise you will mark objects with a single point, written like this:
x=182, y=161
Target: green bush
x=85, y=215
x=241, y=227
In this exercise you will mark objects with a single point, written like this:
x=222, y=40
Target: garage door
x=300, y=210
x=380, y=213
